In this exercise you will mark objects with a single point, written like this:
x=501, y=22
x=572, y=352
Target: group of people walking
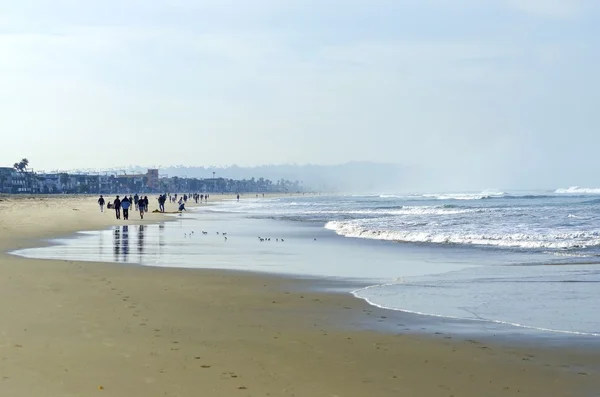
x=123, y=205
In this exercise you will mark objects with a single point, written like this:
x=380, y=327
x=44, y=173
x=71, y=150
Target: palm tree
x=22, y=165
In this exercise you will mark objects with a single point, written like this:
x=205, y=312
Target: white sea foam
x=406, y=210
x=578, y=190
x=568, y=254
x=579, y=239
x=465, y=196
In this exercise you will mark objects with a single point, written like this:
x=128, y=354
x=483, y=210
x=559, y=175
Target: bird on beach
x=224, y=234
x=315, y=239
x=282, y=240
x=203, y=232
x=217, y=232
x=225, y=238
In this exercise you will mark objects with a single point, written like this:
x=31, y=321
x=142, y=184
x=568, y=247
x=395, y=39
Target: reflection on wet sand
x=117, y=243
x=161, y=237
x=125, y=238
x=140, y=239
x=121, y=242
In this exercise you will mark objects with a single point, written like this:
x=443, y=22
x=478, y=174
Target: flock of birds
x=190, y=234
x=261, y=239
x=268, y=239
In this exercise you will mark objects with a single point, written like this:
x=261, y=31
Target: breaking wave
x=465, y=196
x=578, y=190
x=568, y=240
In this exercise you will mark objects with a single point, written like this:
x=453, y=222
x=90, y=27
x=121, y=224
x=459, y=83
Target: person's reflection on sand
x=125, y=237
x=117, y=244
x=141, y=240
x=161, y=237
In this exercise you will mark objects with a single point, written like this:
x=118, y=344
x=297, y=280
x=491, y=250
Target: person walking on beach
x=136, y=200
x=117, y=205
x=238, y=197
x=125, y=204
x=161, y=203
x=141, y=207
x=101, y=203
x=145, y=203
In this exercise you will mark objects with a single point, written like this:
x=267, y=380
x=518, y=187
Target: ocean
x=527, y=260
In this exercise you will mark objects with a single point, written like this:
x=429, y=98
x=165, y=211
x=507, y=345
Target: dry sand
x=80, y=329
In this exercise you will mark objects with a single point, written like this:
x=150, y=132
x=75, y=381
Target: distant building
x=13, y=181
x=6, y=178
x=49, y=183
x=152, y=181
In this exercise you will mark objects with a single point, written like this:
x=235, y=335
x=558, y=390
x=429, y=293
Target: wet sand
x=77, y=328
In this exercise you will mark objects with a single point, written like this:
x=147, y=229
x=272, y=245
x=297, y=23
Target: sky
x=487, y=93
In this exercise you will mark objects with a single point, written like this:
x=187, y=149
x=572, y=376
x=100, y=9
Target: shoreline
x=435, y=323
x=258, y=328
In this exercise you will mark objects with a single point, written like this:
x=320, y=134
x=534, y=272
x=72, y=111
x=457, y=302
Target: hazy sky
x=502, y=89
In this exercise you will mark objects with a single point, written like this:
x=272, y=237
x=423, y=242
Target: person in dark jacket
x=161, y=203
x=101, y=203
x=141, y=207
x=117, y=205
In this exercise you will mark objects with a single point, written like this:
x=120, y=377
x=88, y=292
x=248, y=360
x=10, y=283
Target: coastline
x=149, y=331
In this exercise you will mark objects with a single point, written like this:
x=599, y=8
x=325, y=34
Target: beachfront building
x=152, y=180
x=48, y=183
x=16, y=182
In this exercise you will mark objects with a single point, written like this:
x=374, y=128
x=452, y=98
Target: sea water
x=525, y=259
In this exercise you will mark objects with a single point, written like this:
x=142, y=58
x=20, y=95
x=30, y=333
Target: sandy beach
x=79, y=328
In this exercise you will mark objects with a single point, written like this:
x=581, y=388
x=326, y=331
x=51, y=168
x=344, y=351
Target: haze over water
x=524, y=259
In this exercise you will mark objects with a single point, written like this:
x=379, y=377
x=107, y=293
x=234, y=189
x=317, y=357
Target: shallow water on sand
x=499, y=286
x=303, y=250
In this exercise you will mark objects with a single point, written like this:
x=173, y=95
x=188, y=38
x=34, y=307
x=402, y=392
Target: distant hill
x=349, y=177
